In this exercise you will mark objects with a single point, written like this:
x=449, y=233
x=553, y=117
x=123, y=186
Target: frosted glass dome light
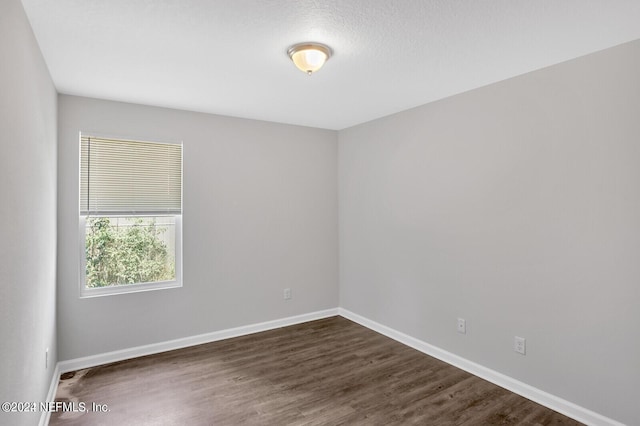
x=309, y=57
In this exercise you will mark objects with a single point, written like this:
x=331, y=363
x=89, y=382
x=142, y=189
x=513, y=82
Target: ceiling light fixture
x=309, y=57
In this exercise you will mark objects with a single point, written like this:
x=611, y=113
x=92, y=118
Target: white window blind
x=129, y=177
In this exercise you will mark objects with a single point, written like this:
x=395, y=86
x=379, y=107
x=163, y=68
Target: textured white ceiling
x=229, y=56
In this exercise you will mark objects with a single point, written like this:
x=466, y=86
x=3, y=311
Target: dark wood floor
x=326, y=372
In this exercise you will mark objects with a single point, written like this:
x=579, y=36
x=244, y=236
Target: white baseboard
x=51, y=395
x=553, y=402
x=100, y=359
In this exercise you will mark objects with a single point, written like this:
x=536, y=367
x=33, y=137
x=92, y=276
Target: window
x=130, y=215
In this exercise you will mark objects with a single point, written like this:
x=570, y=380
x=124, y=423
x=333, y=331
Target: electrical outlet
x=46, y=358
x=462, y=326
x=287, y=293
x=519, y=345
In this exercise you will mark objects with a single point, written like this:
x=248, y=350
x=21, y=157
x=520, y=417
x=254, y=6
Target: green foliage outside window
x=135, y=253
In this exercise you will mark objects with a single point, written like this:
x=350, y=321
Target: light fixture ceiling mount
x=309, y=57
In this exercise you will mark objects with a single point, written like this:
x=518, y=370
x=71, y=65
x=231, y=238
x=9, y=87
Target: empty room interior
x=347, y=212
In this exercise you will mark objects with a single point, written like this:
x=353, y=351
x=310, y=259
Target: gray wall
x=260, y=203
x=515, y=206
x=27, y=215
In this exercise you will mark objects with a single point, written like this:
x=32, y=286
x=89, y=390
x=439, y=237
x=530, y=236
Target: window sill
x=86, y=293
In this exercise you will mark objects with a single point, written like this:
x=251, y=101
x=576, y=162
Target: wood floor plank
x=325, y=372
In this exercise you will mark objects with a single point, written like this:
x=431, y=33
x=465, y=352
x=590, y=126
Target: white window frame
x=128, y=288
x=87, y=292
